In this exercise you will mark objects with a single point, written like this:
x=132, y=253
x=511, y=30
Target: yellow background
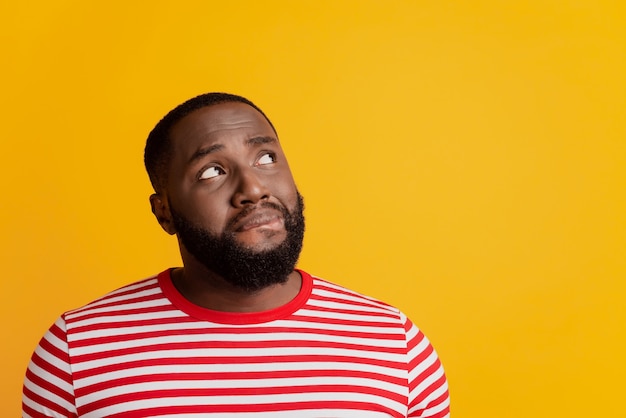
x=464, y=161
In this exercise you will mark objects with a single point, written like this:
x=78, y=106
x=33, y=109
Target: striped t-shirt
x=145, y=351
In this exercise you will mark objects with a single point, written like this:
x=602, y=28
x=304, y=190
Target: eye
x=267, y=158
x=210, y=172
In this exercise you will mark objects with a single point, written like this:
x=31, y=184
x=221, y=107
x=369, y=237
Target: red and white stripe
x=144, y=351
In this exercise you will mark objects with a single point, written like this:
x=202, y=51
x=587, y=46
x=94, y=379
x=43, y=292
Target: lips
x=259, y=218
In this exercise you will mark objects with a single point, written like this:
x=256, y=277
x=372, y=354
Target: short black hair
x=158, y=147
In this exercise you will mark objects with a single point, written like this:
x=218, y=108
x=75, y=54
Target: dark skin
x=226, y=157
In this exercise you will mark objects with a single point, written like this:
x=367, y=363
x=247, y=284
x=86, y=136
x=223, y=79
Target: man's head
x=158, y=146
x=224, y=187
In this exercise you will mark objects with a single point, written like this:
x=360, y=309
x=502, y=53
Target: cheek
x=206, y=211
x=212, y=214
x=285, y=190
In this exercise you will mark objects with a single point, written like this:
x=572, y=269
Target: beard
x=241, y=266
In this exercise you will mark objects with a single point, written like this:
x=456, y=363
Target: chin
x=263, y=241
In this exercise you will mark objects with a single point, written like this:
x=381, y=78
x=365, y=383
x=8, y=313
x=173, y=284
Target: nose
x=250, y=189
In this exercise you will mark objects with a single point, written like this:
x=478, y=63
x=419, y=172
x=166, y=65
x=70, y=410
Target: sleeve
x=428, y=387
x=48, y=389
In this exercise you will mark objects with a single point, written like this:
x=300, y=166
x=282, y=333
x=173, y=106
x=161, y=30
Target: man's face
x=229, y=187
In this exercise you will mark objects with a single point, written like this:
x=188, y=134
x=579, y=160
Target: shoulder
x=329, y=289
x=128, y=296
x=341, y=300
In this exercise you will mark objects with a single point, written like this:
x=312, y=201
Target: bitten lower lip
x=261, y=220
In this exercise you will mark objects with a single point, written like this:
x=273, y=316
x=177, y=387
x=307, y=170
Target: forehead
x=217, y=122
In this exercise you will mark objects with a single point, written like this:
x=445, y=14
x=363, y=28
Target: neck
x=209, y=290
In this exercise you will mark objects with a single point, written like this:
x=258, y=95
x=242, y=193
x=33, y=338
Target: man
x=237, y=331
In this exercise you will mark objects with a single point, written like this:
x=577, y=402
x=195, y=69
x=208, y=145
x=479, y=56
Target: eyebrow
x=261, y=140
x=202, y=152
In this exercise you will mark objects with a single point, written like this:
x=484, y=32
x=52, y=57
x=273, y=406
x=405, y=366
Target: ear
x=161, y=210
